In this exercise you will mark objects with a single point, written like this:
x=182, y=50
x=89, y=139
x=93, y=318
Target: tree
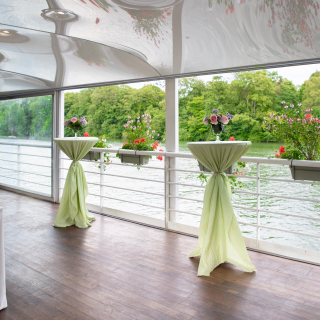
x=311, y=95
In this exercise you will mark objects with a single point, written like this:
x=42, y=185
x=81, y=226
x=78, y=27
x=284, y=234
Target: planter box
x=135, y=159
x=305, y=173
x=92, y=156
x=230, y=170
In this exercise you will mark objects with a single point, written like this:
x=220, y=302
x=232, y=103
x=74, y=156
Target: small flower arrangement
x=75, y=123
x=300, y=131
x=139, y=135
x=101, y=143
x=217, y=121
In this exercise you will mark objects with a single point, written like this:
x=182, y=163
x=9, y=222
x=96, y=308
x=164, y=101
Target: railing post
x=101, y=181
x=172, y=145
x=258, y=203
x=19, y=166
x=57, y=132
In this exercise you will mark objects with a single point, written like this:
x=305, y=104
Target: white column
x=57, y=132
x=172, y=145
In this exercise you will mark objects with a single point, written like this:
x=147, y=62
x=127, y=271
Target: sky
x=297, y=74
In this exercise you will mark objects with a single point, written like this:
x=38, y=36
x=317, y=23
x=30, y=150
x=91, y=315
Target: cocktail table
x=72, y=210
x=220, y=239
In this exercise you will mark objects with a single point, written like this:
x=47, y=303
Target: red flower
x=86, y=134
x=143, y=139
x=156, y=143
x=163, y=17
x=277, y=155
x=168, y=13
x=236, y=172
x=137, y=141
x=282, y=149
x=232, y=139
x=161, y=150
x=160, y=158
x=308, y=116
x=154, y=146
x=125, y=144
x=97, y=20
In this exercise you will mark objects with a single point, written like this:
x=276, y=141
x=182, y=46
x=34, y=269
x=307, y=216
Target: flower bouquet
x=218, y=122
x=75, y=124
x=140, y=136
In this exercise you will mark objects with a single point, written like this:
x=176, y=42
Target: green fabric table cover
x=220, y=239
x=72, y=210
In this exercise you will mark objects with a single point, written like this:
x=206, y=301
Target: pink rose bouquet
x=217, y=121
x=75, y=123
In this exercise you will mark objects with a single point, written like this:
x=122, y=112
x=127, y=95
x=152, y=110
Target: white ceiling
x=68, y=43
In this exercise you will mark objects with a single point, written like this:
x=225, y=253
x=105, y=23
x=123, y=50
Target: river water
x=42, y=175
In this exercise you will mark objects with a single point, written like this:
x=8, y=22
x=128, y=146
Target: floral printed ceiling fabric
x=73, y=43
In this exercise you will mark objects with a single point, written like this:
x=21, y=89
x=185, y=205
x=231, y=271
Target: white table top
x=80, y=139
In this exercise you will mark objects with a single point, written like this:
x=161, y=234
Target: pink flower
x=286, y=107
x=298, y=119
x=213, y=119
x=205, y=120
x=74, y=119
x=66, y=123
x=283, y=102
x=299, y=104
x=291, y=105
x=84, y=122
x=224, y=120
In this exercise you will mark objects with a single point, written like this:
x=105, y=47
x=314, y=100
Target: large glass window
x=26, y=144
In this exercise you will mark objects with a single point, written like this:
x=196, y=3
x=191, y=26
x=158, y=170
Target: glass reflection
x=10, y=35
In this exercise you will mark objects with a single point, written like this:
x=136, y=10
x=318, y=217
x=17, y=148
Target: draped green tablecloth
x=220, y=239
x=72, y=210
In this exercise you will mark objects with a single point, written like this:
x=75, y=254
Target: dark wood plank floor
x=121, y=270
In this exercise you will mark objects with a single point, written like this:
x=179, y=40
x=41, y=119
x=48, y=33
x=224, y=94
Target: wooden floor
x=121, y=270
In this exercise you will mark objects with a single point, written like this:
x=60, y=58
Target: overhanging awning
x=46, y=45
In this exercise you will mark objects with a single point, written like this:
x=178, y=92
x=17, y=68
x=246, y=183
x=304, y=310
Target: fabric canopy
x=68, y=43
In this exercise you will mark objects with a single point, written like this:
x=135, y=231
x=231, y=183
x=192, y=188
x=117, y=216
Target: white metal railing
x=168, y=219
x=29, y=175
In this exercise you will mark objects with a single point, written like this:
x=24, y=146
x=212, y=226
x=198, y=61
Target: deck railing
x=169, y=215
x=24, y=169
x=154, y=196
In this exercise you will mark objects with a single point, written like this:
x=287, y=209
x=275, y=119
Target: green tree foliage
x=251, y=96
x=26, y=117
x=311, y=94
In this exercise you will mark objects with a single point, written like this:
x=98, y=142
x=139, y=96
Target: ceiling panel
x=67, y=43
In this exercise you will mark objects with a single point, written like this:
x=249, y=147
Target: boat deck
x=122, y=270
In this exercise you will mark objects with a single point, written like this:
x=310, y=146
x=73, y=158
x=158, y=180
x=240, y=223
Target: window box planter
x=134, y=159
x=92, y=156
x=305, y=173
x=230, y=170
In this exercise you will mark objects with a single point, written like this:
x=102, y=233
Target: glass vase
x=217, y=129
